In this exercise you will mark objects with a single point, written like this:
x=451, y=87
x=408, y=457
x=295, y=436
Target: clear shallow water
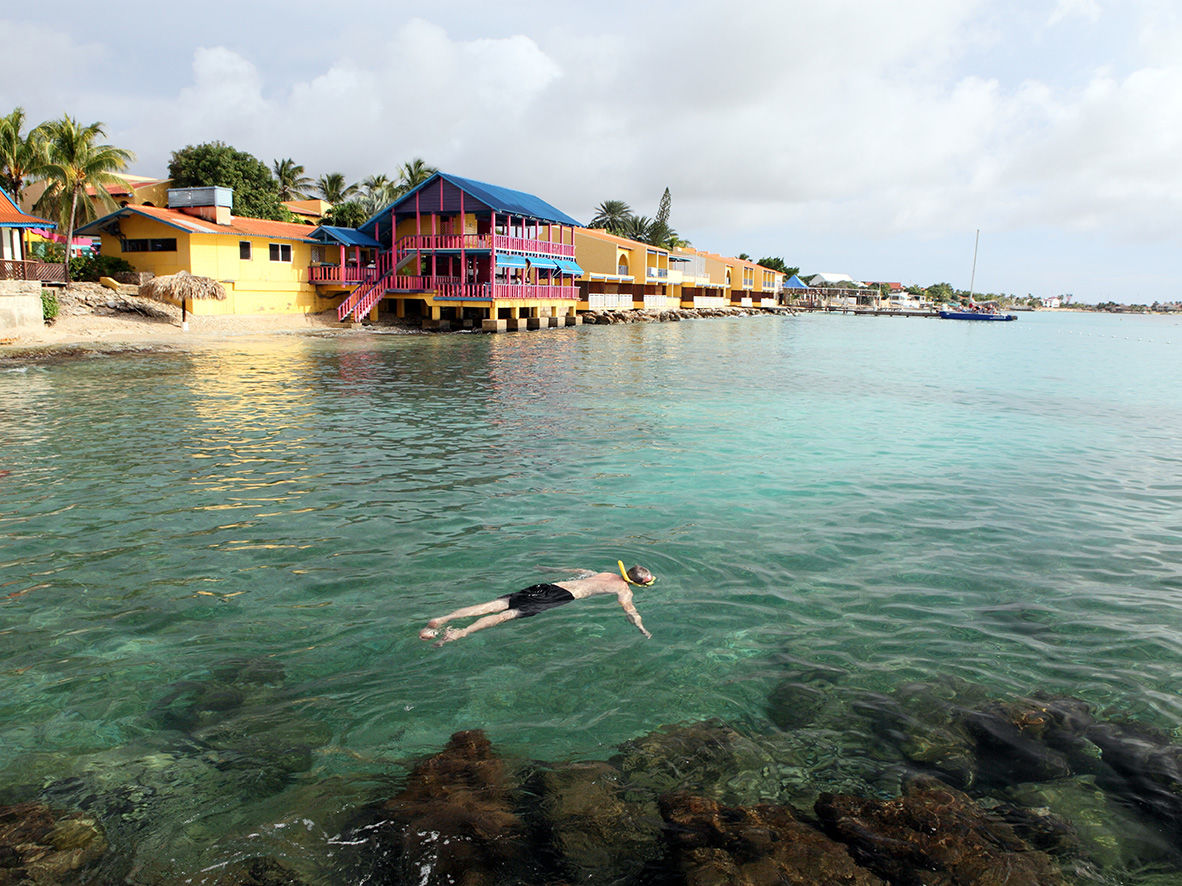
x=861, y=503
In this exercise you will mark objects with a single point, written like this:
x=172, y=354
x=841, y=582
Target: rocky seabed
x=950, y=787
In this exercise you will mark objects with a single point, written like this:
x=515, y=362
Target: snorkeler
x=539, y=598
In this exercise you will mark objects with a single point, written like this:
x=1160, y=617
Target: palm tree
x=332, y=188
x=22, y=157
x=378, y=191
x=636, y=227
x=74, y=164
x=612, y=215
x=414, y=173
x=293, y=184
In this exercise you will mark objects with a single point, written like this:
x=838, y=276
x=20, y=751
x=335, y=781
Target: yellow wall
x=253, y=286
x=596, y=255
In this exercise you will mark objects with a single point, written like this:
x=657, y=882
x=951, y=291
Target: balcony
x=658, y=273
x=488, y=291
x=17, y=269
x=345, y=275
x=476, y=242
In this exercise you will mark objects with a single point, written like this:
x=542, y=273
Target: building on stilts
x=455, y=253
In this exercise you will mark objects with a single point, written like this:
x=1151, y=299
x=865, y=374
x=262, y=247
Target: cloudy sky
x=848, y=136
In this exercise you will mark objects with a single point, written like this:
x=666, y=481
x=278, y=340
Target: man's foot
x=428, y=633
x=450, y=634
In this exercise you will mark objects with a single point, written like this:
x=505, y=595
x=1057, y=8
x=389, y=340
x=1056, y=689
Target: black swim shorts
x=537, y=598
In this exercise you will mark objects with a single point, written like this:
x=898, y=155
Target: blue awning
x=344, y=236
x=569, y=267
x=543, y=263
x=509, y=260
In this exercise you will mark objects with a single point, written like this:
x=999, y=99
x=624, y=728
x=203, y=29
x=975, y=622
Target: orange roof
x=239, y=225
x=601, y=234
x=11, y=215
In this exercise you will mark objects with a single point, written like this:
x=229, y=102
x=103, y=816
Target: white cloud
x=1089, y=10
x=860, y=120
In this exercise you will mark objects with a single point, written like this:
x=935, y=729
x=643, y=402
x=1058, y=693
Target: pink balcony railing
x=347, y=274
x=504, y=290
x=428, y=242
x=525, y=244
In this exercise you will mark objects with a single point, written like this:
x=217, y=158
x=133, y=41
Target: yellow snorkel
x=624, y=573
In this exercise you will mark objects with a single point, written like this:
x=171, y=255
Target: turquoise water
x=857, y=503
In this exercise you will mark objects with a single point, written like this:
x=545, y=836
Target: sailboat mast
x=973, y=278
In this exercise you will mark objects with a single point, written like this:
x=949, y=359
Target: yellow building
x=621, y=274
x=264, y=265
x=140, y=191
x=724, y=281
x=308, y=212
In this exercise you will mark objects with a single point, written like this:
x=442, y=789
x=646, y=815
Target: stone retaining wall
x=20, y=305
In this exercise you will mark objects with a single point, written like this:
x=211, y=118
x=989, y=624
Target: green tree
x=293, y=184
x=742, y=256
x=74, y=164
x=216, y=164
x=348, y=214
x=636, y=227
x=611, y=216
x=378, y=191
x=663, y=210
x=414, y=173
x=777, y=264
x=332, y=188
x=22, y=156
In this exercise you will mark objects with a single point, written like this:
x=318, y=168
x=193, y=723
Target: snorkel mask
x=638, y=584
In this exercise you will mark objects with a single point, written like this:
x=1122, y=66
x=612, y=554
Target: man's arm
x=632, y=614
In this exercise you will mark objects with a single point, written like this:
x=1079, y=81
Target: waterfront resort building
x=456, y=252
x=621, y=274
x=262, y=264
x=14, y=227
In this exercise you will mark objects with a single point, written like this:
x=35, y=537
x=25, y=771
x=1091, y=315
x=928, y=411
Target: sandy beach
x=91, y=317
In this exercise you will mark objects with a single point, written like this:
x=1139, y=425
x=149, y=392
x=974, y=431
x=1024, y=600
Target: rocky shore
x=1035, y=791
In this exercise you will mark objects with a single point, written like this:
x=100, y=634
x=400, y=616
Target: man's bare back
x=538, y=598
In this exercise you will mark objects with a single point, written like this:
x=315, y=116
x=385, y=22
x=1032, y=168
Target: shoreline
x=119, y=324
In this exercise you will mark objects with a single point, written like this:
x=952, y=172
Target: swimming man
x=539, y=598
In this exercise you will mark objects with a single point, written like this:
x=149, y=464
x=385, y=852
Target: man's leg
x=488, y=621
x=498, y=605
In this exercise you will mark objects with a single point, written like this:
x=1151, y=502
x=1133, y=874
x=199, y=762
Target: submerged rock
x=598, y=836
x=39, y=844
x=709, y=757
x=259, y=871
x=454, y=823
x=715, y=844
x=934, y=834
x=1144, y=767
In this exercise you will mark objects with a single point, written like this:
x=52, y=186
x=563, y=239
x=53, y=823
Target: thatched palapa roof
x=181, y=286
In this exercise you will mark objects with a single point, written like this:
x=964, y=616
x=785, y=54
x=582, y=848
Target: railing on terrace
x=658, y=272
x=504, y=290
x=16, y=269
x=430, y=242
x=346, y=274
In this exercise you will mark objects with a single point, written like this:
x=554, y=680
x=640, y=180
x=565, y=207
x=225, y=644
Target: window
x=150, y=244
x=244, y=250
x=281, y=252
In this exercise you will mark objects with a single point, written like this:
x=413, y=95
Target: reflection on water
x=213, y=566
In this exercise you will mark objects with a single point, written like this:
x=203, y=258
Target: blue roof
x=494, y=196
x=347, y=236
x=795, y=283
